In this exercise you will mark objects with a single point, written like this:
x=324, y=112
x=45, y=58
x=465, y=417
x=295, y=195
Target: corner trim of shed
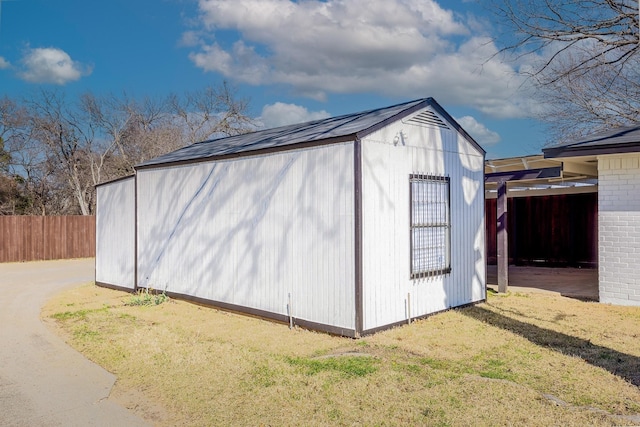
x=357, y=168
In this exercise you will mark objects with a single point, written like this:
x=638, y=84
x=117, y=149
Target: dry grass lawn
x=519, y=359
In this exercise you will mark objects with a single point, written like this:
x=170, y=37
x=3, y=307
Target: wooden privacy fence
x=35, y=238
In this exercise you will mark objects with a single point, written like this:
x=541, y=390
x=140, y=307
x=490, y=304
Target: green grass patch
x=85, y=333
x=348, y=366
x=78, y=315
x=409, y=368
x=264, y=376
x=496, y=369
x=438, y=364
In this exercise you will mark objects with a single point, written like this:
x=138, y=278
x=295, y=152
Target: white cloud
x=281, y=114
x=190, y=39
x=478, y=131
x=51, y=65
x=401, y=48
x=4, y=63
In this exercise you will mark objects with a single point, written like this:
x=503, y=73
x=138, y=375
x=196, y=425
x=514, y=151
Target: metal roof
x=612, y=141
x=332, y=130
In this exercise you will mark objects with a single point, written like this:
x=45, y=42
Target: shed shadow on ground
x=620, y=364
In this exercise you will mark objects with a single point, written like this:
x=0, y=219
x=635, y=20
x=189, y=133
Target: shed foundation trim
x=262, y=314
x=412, y=319
x=115, y=287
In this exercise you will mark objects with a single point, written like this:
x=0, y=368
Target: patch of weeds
x=125, y=316
x=161, y=360
x=435, y=416
x=263, y=376
x=62, y=316
x=496, y=369
x=453, y=402
x=522, y=295
x=406, y=367
x=435, y=363
x=631, y=406
x=492, y=293
x=334, y=414
x=79, y=314
x=348, y=366
x=84, y=333
x=146, y=297
x=528, y=354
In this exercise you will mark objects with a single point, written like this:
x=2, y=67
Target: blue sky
x=295, y=61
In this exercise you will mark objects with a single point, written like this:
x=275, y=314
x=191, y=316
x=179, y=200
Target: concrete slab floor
x=580, y=283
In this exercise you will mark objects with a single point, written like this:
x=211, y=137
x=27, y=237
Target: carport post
x=503, y=238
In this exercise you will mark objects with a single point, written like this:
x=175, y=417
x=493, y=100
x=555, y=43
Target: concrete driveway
x=43, y=382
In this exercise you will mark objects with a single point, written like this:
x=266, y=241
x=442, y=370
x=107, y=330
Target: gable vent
x=427, y=118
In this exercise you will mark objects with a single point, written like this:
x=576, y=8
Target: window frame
x=425, y=268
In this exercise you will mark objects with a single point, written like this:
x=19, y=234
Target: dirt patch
x=137, y=402
x=490, y=364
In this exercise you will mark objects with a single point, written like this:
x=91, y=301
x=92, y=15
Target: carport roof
x=332, y=130
x=612, y=141
x=534, y=175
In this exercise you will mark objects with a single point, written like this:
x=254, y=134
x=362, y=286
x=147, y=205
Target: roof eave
x=270, y=150
x=562, y=152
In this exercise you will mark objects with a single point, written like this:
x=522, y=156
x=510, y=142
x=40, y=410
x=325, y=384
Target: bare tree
x=210, y=112
x=53, y=151
x=586, y=59
x=15, y=158
x=68, y=138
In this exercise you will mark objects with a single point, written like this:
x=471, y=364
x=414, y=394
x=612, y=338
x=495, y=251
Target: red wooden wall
x=560, y=230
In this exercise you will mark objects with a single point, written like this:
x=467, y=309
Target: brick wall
x=619, y=228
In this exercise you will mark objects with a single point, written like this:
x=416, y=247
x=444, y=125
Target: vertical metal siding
x=115, y=233
x=250, y=231
x=386, y=242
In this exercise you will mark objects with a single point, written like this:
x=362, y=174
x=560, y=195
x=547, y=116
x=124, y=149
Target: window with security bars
x=430, y=226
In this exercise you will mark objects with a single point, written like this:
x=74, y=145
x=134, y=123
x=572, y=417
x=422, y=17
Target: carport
x=579, y=283
x=542, y=214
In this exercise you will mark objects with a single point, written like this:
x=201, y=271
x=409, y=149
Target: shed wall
x=250, y=231
x=618, y=226
x=389, y=157
x=115, y=234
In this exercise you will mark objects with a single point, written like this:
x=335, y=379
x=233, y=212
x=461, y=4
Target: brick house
x=617, y=155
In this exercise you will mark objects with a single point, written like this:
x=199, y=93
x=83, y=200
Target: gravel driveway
x=43, y=382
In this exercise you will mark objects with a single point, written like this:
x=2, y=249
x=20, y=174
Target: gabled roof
x=332, y=130
x=613, y=141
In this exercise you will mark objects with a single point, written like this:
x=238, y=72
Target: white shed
x=348, y=225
